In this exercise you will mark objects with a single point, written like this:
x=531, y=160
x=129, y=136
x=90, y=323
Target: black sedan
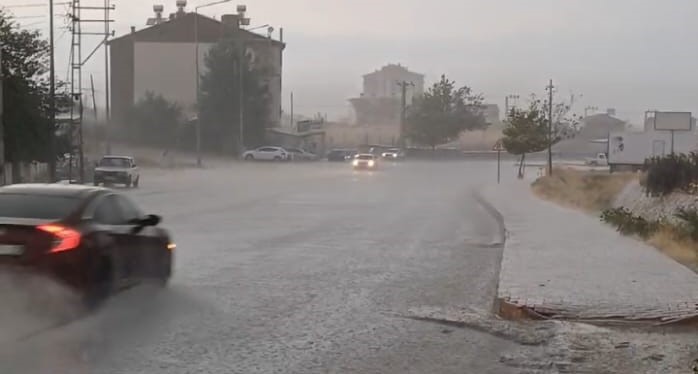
x=91, y=239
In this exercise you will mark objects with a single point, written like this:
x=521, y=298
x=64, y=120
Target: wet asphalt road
x=298, y=268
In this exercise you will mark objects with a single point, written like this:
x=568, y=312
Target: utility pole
x=292, y=110
x=403, y=110
x=76, y=64
x=242, y=99
x=107, y=77
x=550, y=128
x=94, y=106
x=52, y=100
x=76, y=84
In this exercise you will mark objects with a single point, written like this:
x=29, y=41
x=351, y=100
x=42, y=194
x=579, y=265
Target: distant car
x=340, y=155
x=298, y=154
x=266, y=154
x=91, y=239
x=599, y=160
x=117, y=170
x=365, y=161
x=393, y=154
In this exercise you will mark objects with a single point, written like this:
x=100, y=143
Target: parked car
x=117, y=170
x=599, y=160
x=91, y=239
x=393, y=154
x=365, y=161
x=266, y=154
x=298, y=154
x=340, y=155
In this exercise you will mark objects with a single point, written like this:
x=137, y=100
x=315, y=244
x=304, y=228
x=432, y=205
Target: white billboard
x=672, y=121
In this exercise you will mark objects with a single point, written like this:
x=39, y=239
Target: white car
x=298, y=154
x=266, y=154
x=599, y=160
x=365, y=161
x=393, y=153
x=117, y=170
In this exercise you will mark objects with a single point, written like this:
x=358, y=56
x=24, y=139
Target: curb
x=495, y=214
x=501, y=307
x=507, y=309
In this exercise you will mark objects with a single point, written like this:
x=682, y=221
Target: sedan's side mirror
x=141, y=223
x=151, y=220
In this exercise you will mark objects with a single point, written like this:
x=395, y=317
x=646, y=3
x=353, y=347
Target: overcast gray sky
x=632, y=55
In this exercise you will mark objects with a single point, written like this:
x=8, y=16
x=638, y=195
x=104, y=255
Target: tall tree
x=443, y=113
x=220, y=98
x=155, y=121
x=26, y=120
x=526, y=131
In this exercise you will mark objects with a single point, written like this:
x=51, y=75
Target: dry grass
x=595, y=191
x=586, y=190
x=682, y=250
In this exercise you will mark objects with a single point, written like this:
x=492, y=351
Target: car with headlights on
x=393, y=154
x=91, y=239
x=117, y=170
x=365, y=161
x=340, y=155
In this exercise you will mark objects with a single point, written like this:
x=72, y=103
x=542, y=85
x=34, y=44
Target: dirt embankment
x=594, y=192
x=585, y=190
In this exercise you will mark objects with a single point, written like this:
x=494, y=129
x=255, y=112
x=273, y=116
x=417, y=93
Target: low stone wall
x=634, y=198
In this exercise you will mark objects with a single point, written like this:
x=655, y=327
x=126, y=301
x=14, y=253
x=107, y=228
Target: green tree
x=26, y=99
x=526, y=131
x=220, y=99
x=443, y=113
x=155, y=121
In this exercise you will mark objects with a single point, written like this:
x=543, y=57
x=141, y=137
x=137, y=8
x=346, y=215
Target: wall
x=269, y=56
x=340, y=135
x=168, y=69
x=30, y=172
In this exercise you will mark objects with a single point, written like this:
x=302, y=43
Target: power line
x=32, y=5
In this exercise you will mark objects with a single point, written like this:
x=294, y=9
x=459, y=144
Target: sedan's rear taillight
x=65, y=238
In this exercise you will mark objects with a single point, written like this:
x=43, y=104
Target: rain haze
x=346, y=186
x=632, y=55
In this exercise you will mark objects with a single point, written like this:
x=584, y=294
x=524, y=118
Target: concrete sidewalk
x=568, y=264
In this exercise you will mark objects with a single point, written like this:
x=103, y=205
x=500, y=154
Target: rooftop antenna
x=158, y=9
x=244, y=21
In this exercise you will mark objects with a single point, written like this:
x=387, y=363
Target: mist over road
x=299, y=268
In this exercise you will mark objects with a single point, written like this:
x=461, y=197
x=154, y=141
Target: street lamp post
x=198, y=77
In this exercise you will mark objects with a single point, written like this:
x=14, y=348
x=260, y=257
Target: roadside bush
x=628, y=224
x=689, y=223
x=675, y=172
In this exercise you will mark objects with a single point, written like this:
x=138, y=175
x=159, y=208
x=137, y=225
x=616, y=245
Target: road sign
x=498, y=146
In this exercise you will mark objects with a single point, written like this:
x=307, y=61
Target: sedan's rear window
x=115, y=162
x=36, y=206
